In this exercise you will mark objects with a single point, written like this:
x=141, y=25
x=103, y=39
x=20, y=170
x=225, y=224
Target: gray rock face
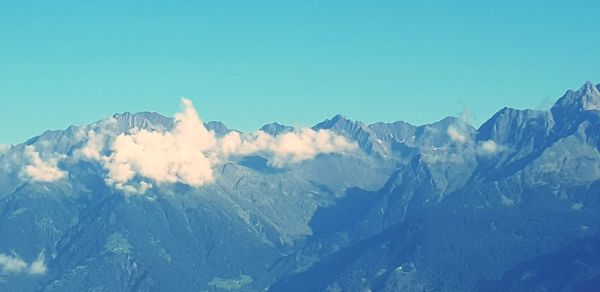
x=218, y=127
x=513, y=205
x=587, y=98
x=144, y=120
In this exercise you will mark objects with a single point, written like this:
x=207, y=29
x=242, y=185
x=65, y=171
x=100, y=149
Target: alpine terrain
x=143, y=202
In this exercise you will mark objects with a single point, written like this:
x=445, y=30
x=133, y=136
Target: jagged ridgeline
x=143, y=202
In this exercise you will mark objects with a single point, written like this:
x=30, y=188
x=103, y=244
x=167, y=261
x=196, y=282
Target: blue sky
x=248, y=63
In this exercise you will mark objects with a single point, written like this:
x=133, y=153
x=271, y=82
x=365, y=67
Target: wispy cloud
x=37, y=169
x=96, y=139
x=288, y=148
x=305, y=144
x=38, y=267
x=456, y=135
x=14, y=264
x=489, y=147
x=458, y=130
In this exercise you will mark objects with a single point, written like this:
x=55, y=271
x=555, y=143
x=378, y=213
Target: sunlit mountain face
x=143, y=202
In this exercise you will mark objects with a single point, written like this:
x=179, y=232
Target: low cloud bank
x=189, y=152
x=288, y=148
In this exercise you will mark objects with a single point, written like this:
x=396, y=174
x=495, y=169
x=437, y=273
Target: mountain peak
x=337, y=121
x=276, y=128
x=587, y=98
x=142, y=120
x=218, y=127
x=339, y=117
x=589, y=88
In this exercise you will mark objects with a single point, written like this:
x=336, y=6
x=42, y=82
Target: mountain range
x=129, y=204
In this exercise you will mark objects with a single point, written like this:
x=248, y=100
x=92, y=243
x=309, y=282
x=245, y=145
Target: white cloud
x=177, y=156
x=91, y=150
x=458, y=131
x=96, y=139
x=294, y=147
x=456, y=135
x=131, y=188
x=189, y=152
x=287, y=148
x=14, y=264
x=466, y=115
x=40, y=170
x=489, y=147
x=4, y=148
x=38, y=267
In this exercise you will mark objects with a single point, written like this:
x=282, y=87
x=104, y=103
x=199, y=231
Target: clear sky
x=247, y=63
